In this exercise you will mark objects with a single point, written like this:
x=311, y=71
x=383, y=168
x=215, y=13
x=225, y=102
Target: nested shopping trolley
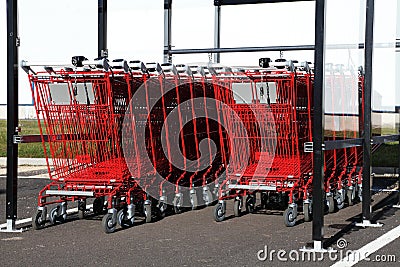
x=343, y=166
x=279, y=162
x=80, y=110
x=136, y=137
x=274, y=118
x=180, y=146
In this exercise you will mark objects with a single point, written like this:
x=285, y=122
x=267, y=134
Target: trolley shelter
x=337, y=156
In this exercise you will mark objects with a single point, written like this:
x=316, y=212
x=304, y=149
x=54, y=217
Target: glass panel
x=271, y=24
x=135, y=30
x=344, y=33
x=385, y=97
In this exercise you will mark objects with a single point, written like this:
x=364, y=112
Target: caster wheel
x=331, y=204
x=194, y=200
x=264, y=200
x=108, y=225
x=307, y=212
x=147, y=212
x=37, y=221
x=219, y=212
x=81, y=214
x=289, y=217
x=82, y=209
x=54, y=217
x=351, y=196
x=122, y=219
x=215, y=192
x=340, y=202
x=98, y=206
x=237, y=207
x=250, y=204
x=177, y=203
x=208, y=198
x=161, y=210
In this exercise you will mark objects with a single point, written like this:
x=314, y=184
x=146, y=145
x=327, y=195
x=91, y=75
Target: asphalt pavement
x=192, y=238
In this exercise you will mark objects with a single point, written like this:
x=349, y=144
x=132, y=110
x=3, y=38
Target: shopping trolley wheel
x=307, y=212
x=37, y=221
x=250, y=203
x=55, y=217
x=161, y=209
x=264, y=200
x=351, y=195
x=340, y=201
x=177, y=202
x=107, y=222
x=147, y=212
x=81, y=214
x=208, y=198
x=194, y=200
x=98, y=205
x=81, y=209
x=359, y=194
x=289, y=217
x=237, y=207
x=122, y=219
x=219, y=212
x=331, y=204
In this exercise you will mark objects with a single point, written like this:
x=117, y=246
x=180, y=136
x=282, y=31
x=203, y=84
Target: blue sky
x=55, y=30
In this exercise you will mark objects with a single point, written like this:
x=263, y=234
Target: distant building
x=26, y=111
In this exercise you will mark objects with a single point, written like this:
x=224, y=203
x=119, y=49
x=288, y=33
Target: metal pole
x=398, y=94
x=217, y=33
x=318, y=127
x=397, y=205
x=167, y=30
x=102, y=29
x=398, y=165
x=361, y=105
x=277, y=48
x=369, y=42
x=12, y=113
x=242, y=49
x=368, y=57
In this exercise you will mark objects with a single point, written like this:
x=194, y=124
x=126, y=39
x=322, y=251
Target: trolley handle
x=48, y=66
x=154, y=68
x=98, y=62
x=137, y=65
x=120, y=64
x=169, y=68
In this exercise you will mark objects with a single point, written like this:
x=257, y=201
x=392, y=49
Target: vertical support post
x=167, y=31
x=368, y=56
x=102, y=29
x=217, y=33
x=318, y=127
x=361, y=105
x=398, y=165
x=397, y=91
x=398, y=161
x=12, y=113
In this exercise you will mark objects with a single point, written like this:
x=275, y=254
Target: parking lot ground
x=192, y=238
